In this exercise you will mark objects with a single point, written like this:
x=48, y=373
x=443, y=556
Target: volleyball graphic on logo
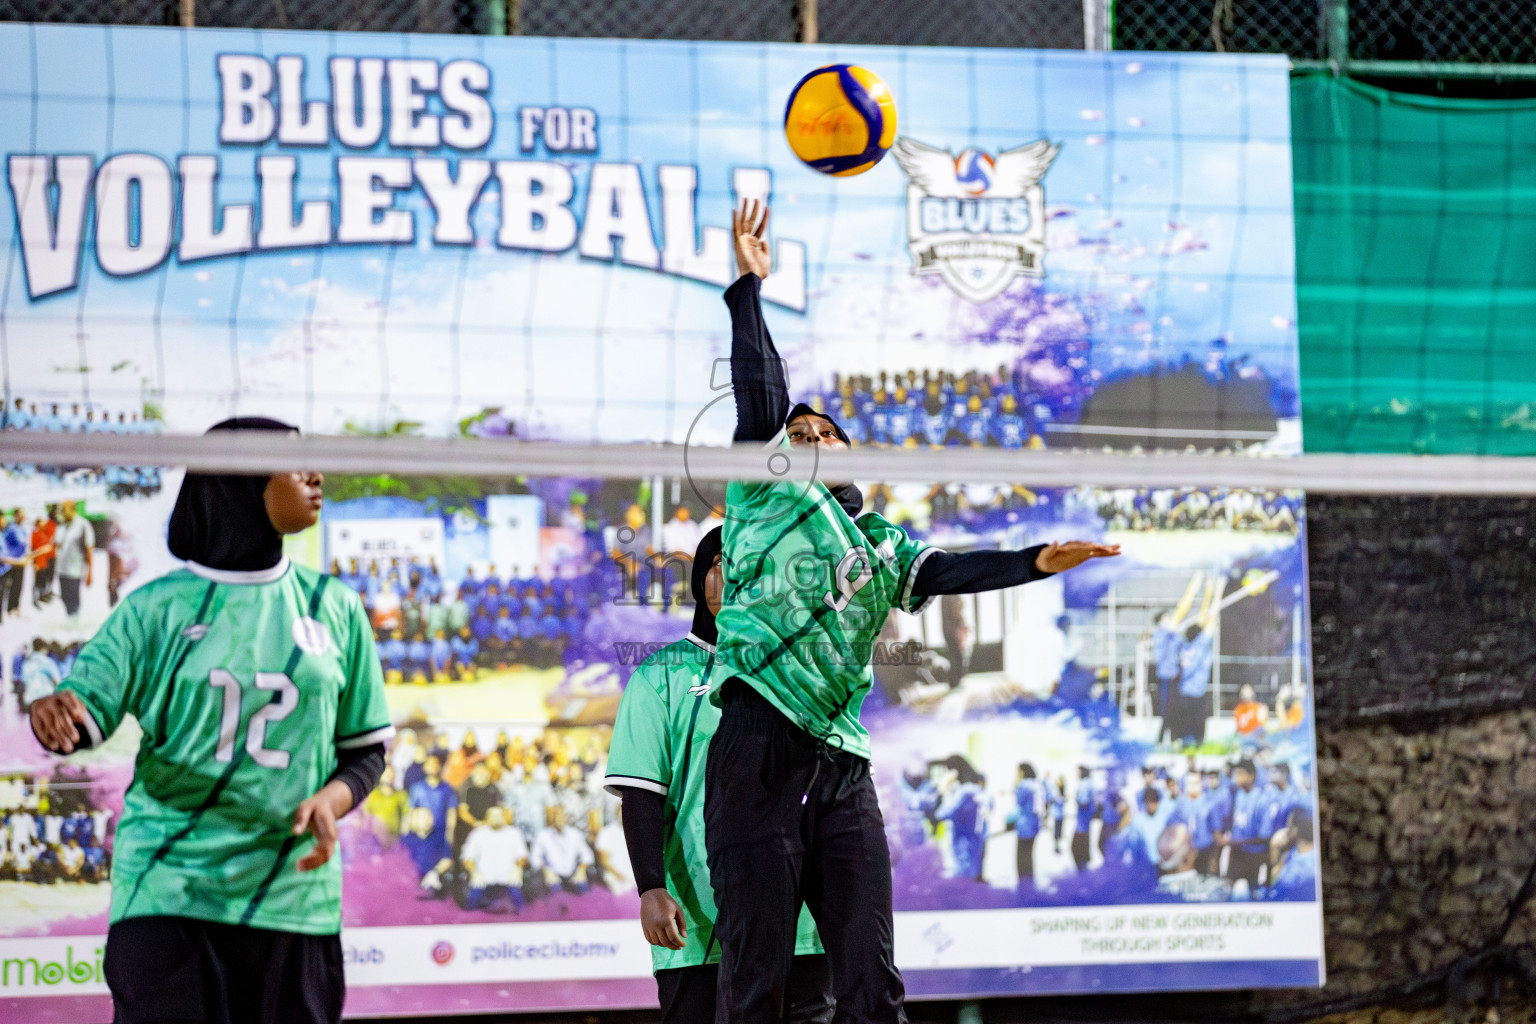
x=840, y=119
x=975, y=171
x=442, y=952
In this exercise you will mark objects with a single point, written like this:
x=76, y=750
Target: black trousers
x=69, y=590
x=1246, y=864
x=1080, y=851
x=687, y=994
x=788, y=819
x=1024, y=859
x=177, y=970
x=10, y=588
x=42, y=584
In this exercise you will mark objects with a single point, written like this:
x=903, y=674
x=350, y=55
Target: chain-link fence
x=1432, y=31
x=1441, y=31
x=1294, y=27
x=1036, y=23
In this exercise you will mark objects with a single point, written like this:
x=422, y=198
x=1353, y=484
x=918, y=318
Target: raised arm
x=971, y=572
x=757, y=372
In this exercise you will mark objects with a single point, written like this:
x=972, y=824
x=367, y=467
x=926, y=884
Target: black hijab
x=220, y=519
x=703, y=558
x=847, y=495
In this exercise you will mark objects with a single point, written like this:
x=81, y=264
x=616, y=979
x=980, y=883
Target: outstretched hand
x=749, y=226
x=54, y=721
x=1059, y=557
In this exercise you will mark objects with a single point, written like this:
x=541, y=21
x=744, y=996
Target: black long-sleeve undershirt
x=757, y=372
x=645, y=826
x=360, y=768
x=971, y=572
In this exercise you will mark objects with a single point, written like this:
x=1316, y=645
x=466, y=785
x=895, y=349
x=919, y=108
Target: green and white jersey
x=661, y=743
x=807, y=590
x=246, y=684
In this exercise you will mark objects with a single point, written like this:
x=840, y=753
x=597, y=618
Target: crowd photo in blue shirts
x=1240, y=829
x=938, y=408
x=433, y=631
x=85, y=418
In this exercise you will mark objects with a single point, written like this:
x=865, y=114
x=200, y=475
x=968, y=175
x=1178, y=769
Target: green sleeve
x=640, y=755
x=903, y=554
x=362, y=713
x=108, y=671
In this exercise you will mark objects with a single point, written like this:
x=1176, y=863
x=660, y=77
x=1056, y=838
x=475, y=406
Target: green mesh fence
x=1416, y=268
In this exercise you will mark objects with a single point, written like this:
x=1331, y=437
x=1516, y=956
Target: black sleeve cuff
x=360, y=768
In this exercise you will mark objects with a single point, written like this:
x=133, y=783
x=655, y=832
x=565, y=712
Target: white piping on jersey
x=614, y=783
x=906, y=588
x=367, y=739
x=92, y=727
x=706, y=645
x=270, y=575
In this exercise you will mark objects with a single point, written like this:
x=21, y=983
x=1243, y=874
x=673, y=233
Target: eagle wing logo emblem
x=975, y=220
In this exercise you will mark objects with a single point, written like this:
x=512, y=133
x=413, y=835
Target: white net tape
x=412, y=456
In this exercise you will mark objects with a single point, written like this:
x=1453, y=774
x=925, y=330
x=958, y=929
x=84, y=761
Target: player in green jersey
x=656, y=766
x=261, y=701
x=810, y=577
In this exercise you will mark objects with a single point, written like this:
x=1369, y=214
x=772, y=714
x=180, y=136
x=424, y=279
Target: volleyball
x=840, y=119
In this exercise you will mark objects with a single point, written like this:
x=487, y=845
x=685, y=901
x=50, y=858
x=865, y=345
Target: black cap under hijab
x=220, y=519
x=847, y=495
x=703, y=558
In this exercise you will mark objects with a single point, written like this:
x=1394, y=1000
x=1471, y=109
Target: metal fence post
x=1096, y=34
x=810, y=21
x=1334, y=15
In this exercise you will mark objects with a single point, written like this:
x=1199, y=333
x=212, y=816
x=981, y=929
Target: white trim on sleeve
x=614, y=783
x=367, y=739
x=906, y=588
x=92, y=727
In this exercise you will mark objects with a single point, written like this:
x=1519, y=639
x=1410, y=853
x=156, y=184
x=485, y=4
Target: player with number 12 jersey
x=232, y=677
x=261, y=701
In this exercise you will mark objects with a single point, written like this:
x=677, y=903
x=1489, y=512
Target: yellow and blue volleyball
x=840, y=119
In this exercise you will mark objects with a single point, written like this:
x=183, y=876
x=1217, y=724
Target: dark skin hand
x=56, y=719
x=661, y=919
x=1059, y=557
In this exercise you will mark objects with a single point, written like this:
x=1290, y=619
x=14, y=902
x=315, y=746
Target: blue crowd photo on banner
x=1100, y=782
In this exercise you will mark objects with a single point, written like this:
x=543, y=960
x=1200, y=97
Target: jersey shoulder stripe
x=382, y=734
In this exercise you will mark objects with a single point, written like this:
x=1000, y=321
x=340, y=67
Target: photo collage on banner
x=1104, y=781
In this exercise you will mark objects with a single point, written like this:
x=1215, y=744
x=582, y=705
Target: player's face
x=714, y=586
x=806, y=430
x=293, y=500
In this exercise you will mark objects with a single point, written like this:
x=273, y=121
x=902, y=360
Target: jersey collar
x=270, y=575
x=704, y=644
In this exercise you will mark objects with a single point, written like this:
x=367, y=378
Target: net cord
x=416, y=456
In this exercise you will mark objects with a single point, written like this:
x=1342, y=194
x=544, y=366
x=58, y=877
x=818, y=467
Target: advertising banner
x=1103, y=781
